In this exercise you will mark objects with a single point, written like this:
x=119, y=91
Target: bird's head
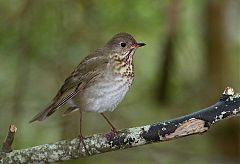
x=123, y=44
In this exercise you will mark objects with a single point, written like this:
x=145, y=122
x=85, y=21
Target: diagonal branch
x=195, y=123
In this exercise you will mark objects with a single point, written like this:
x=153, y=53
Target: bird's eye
x=123, y=44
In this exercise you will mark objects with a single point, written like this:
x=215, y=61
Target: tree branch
x=195, y=123
x=7, y=144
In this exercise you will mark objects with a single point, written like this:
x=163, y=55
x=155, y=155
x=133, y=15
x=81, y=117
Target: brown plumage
x=100, y=82
x=113, y=60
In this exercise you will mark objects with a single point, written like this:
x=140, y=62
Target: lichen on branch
x=195, y=123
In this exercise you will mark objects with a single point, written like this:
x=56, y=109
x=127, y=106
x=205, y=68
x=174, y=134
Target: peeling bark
x=195, y=123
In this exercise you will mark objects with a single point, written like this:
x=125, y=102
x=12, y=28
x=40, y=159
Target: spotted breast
x=111, y=88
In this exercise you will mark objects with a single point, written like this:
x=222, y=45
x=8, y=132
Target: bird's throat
x=123, y=65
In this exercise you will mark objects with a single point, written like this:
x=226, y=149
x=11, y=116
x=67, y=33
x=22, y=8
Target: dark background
x=192, y=54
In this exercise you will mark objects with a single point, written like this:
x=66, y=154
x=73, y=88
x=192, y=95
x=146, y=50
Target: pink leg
x=113, y=128
x=80, y=135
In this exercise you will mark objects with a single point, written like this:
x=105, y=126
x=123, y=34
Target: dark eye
x=123, y=44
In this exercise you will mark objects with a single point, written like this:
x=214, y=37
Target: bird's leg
x=113, y=128
x=80, y=135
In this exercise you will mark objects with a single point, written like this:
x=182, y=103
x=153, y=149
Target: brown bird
x=100, y=81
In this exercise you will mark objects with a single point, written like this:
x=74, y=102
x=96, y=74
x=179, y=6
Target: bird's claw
x=81, y=140
x=114, y=130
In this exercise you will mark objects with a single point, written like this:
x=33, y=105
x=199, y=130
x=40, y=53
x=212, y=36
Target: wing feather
x=86, y=72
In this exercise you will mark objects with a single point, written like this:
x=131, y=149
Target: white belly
x=104, y=95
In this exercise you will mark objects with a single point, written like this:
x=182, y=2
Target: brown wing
x=86, y=72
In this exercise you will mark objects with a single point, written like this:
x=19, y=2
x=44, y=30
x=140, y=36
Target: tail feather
x=59, y=100
x=44, y=114
x=70, y=110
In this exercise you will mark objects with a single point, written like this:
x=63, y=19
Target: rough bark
x=195, y=123
x=7, y=144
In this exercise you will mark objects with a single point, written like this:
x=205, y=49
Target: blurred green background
x=192, y=54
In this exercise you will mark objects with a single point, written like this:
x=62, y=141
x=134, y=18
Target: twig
x=7, y=144
x=195, y=123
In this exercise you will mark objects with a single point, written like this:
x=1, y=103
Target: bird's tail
x=44, y=114
x=70, y=110
x=59, y=100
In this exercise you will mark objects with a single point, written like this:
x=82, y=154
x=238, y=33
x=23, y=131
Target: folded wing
x=89, y=70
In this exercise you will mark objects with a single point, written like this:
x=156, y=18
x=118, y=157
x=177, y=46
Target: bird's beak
x=141, y=44
x=137, y=45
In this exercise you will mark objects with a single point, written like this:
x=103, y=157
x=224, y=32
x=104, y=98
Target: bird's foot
x=81, y=140
x=114, y=130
